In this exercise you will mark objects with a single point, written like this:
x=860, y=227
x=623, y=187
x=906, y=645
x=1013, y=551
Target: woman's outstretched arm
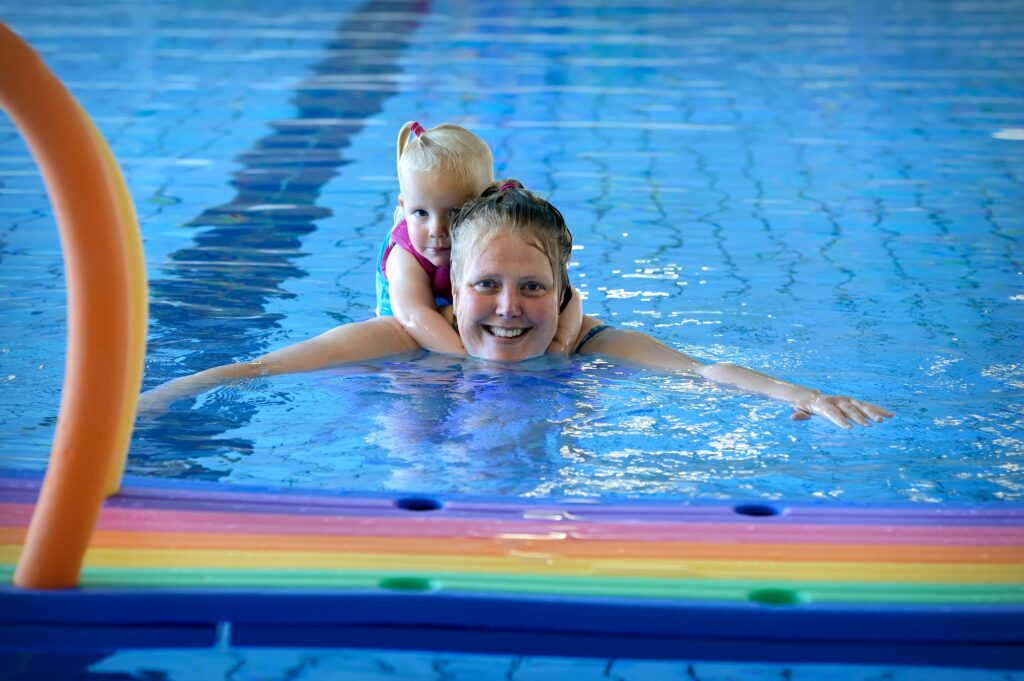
x=640, y=348
x=353, y=342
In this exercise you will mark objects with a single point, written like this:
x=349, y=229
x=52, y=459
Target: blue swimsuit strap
x=590, y=334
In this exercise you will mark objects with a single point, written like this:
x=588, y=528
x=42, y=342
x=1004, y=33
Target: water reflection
x=434, y=424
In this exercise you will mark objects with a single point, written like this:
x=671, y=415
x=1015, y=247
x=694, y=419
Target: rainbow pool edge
x=187, y=564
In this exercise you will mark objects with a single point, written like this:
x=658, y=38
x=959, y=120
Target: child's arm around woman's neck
x=412, y=302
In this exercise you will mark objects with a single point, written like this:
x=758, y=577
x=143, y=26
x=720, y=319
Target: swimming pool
x=832, y=201
x=835, y=201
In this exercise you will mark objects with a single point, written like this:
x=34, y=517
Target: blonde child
x=439, y=170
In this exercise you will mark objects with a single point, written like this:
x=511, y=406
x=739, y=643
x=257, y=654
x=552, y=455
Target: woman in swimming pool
x=510, y=257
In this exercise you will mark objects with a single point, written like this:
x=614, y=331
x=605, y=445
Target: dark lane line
x=214, y=294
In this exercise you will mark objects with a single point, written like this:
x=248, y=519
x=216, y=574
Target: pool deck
x=188, y=564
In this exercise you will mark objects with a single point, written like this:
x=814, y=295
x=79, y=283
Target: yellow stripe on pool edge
x=854, y=572
x=962, y=573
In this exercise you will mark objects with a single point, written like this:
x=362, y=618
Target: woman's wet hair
x=507, y=207
x=447, y=149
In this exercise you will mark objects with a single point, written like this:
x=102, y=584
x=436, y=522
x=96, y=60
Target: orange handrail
x=106, y=313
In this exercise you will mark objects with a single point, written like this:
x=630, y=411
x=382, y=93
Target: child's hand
x=570, y=320
x=448, y=312
x=840, y=410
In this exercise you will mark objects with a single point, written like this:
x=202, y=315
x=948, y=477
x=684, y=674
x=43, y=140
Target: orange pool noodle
x=96, y=397
x=139, y=310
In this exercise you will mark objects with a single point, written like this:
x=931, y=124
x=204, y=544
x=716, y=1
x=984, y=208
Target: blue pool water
x=830, y=192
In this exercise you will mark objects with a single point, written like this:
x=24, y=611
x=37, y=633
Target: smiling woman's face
x=507, y=301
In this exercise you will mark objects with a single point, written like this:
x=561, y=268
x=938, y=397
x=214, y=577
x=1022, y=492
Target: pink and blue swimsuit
x=440, y=277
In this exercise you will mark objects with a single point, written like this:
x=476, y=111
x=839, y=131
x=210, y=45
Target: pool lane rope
x=107, y=314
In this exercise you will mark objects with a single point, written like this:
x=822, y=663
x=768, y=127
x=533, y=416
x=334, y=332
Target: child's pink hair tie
x=507, y=185
x=416, y=128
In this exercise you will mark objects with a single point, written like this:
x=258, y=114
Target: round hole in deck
x=758, y=510
x=410, y=584
x=778, y=597
x=418, y=504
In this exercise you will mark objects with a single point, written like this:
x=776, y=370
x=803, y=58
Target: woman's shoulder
x=591, y=327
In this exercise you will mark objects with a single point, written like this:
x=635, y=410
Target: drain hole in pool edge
x=777, y=597
x=408, y=584
x=759, y=510
x=418, y=504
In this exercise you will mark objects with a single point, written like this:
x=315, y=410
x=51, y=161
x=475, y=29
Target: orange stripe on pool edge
x=94, y=399
x=632, y=551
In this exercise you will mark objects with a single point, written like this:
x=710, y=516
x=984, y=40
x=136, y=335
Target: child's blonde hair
x=449, y=149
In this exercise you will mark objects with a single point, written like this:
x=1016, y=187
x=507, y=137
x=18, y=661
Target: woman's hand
x=839, y=409
x=154, y=402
